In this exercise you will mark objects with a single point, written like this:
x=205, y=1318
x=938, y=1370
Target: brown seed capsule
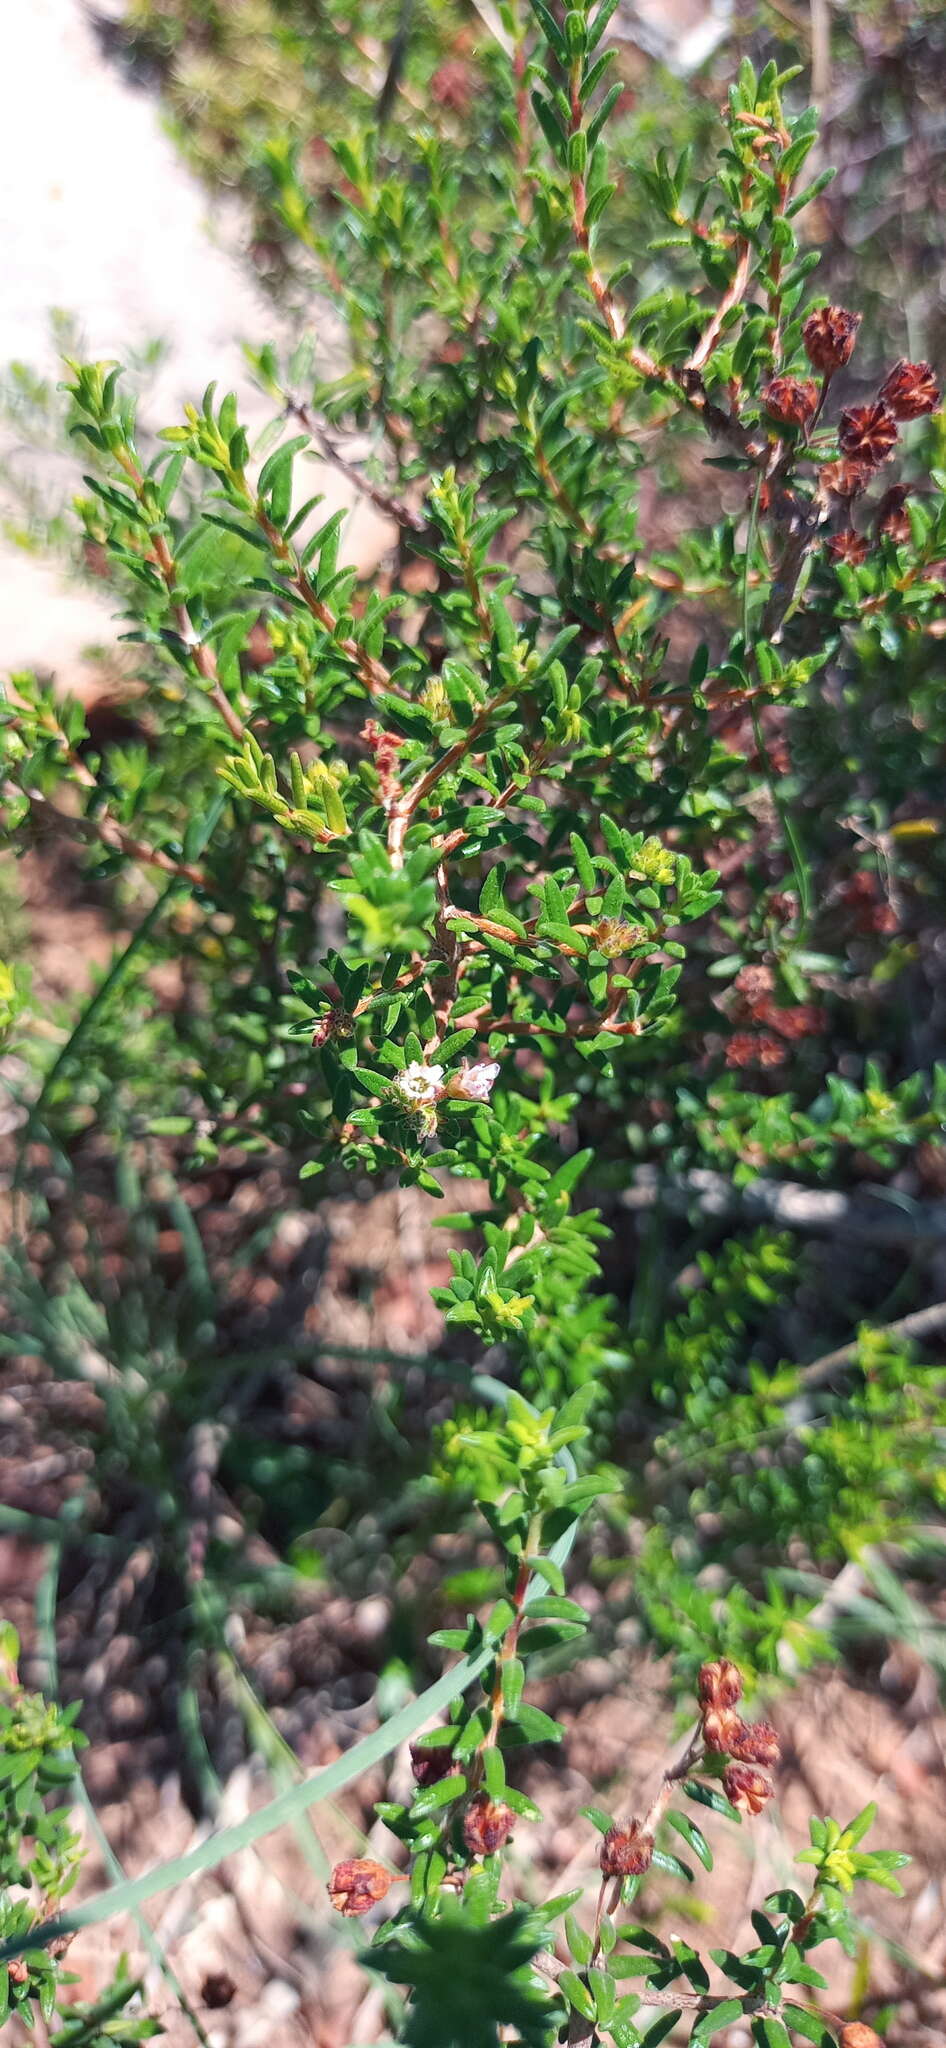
x=910, y=389
x=848, y=546
x=891, y=517
x=829, y=336
x=487, y=1825
x=627, y=1851
x=755, y=1742
x=430, y=1763
x=217, y=1990
x=356, y=1886
x=845, y=479
x=868, y=432
x=747, y=1789
x=856, y=2035
x=720, y=1724
x=720, y=1684
x=790, y=400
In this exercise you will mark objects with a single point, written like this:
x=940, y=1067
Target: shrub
x=615, y=787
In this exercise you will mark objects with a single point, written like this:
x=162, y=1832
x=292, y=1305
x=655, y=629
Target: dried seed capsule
x=790, y=400
x=910, y=389
x=627, y=1851
x=856, y=2035
x=755, y=1742
x=829, y=336
x=891, y=517
x=356, y=1886
x=747, y=1789
x=868, y=432
x=845, y=479
x=848, y=546
x=487, y=1825
x=720, y=1684
x=720, y=1727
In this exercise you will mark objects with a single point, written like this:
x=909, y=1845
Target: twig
x=922, y=1323
x=112, y=834
x=869, y=1217
x=392, y=507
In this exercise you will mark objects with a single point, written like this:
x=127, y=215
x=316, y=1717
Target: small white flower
x=474, y=1084
x=419, y=1086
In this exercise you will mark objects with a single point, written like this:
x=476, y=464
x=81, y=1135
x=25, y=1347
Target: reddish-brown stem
x=110, y=833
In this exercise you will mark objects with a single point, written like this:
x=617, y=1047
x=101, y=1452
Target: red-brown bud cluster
x=790, y=400
x=857, y=2035
x=829, y=336
x=720, y=1684
x=754, y=1742
x=747, y=1744
x=846, y=479
x=868, y=432
x=754, y=1002
x=356, y=1886
x=910, y=389
x=627, y=1851
x=720, y=1727
x=870, y=911
x=848, y=546
x=747, y=1789
x=755, y=1049
x=385, y=747
x=487, y=1825
x=453, y=86
x=892, y=518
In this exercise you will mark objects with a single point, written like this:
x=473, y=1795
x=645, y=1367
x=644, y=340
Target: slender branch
x=384, y=501
x=733, y=297
x=112, y=834
x=922, y=1323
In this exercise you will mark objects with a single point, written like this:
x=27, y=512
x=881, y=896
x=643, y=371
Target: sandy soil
x=99, y=218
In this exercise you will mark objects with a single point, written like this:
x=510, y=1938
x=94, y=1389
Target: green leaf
x=712, y=2023
x=693, y=1836
x=577, y=1994
x=810, y=2025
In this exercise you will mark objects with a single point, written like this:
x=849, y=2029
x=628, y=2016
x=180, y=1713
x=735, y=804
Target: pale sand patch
x=99, y=217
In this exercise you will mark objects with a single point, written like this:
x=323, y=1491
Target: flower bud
x=790, y=400
x=754, y=1742
x=627, y=1851
x=356, y=1886
x=487, y=1825
x=856, y=2035
x=473, y=1083
x=720, y=1684
x=910, y=389
x=829, y=336
x=868, y=432
x=720, y=1726
x=747, y=1789
x=430, y=1763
